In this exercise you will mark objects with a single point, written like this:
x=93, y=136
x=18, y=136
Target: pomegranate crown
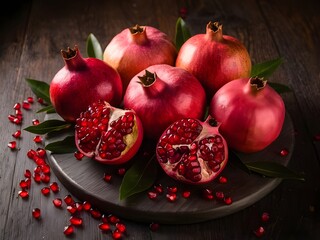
x=258, y=82
x=136, y=29
x=147, y=79
x=69, y=53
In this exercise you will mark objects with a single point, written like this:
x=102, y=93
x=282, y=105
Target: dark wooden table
x=31, y=36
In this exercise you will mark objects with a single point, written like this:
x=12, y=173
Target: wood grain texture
x=32, y=34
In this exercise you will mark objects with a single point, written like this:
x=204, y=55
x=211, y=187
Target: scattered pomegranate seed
x=41, y=152
x=27, y=173
x=35, y=122
x=152, y=195
x=207, y=194
x=107, y=177
x=228, y=200
x=37, y=139
x=54, y=187
x=121, y=227
x=154, y=226
x=26, y=105
x=23, y=184
x=17, y=106
x=78, y=155
x=223, y=179
x=40, y=100
x=121, y=171
x=36, y=213
x=186, y=194
x=68, y=230
x=259, y=232
x=37, y=169
x=39, y=161
x=17, y=134
x=116, y=234
x=104, y=226
x=104, y=218
x=284, y=152
x=71, y=209
x=86, y=205
x=30, y=100
x=45, y=191
x=78, y=206
x=37, y=177
x=12, y=145
x=220, y=195
x=28, y=181
x=95, y=213
x=171, y=197
x=172, y=189
x=23, y=194
x=158, y=188
x=113, y=219
x=68, y=200
x=57, y=202
x=265, y=217
x=19, y=113
x=76, y=221
x=45, y=178
x=45, y=168
x=31, y=153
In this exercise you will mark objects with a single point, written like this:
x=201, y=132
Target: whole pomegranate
x=214, y=59
x=161, y=95
x=110, y=135
x=192, y=151
x=137, y=48
x=251, y=113
x=81, y=82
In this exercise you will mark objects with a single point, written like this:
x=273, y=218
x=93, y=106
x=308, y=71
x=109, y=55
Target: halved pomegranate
x=110, y=135
x=192, y=151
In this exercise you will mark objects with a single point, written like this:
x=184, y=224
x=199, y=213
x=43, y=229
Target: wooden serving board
x=84, y=179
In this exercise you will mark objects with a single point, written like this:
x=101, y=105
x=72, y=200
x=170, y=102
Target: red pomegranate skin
x=174, y=94
x=136, y=48
x=81, y=82
x=214, y=59
x=251, y=115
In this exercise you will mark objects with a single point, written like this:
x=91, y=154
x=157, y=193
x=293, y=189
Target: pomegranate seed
x=31, y=153
x=11, y=118
x=68, y=230
x=121, y=171
x=78, y=206
x=37, y=169
x=107, y=177
x=158, y=188
x=86, y=205
x=154, y=227
x=17, y=106
x=45, y=178
x=171, y=197
x=223, y=179
x=76, y=221
x=104, y=226
x=265, y=217
x=23, y=194
x=35, y=122
x=284, y=152
x=113, y=219
x=39, y=161
x=26, y=105
x=23, y=184
x=45, y=168
x=36, y=213
x=18, y=112
x=30, y=100
x=41, y=152
x=12, y=145
x=227, y=200
x=37, y=177
x=57, y=202
x=220, y=195
x=121, y=227
x=95, y=213
x=104, y=218
x=78, y=155
x=45, y=191
x=37, y=139
x=259, y=232
x=28, y=181
x=172, y=189
x=71, y=209
x=27, y=173
x=207, y=194
x=54, y=187
x=152, y=195
x=17, y=134
x=40, y=100
x=186, y=194
x=68, y=200
x=116, y=234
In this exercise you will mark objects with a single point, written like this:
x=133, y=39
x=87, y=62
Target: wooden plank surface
x=32, y=34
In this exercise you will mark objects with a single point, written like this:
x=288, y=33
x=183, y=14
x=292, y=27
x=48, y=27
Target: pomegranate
x=251, y=113
x=137, y=48
x=81, y=82
x=214, y=58
x=108, y=134
x=161, y=95
x=192, y=151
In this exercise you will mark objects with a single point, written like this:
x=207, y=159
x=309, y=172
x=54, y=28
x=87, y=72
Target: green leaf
x=236, y=162
x=139, y=177
x=47, y=109
x=48, y=126
x=93, y=47
x=265, y=69
x=40, y=89
x=66, y=145
x=279, y=88
x=182, y=33
x=273, y=169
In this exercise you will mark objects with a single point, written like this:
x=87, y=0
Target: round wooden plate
x=84, y=179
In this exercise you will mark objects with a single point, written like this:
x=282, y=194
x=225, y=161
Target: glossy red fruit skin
x=81, y=82
x=174, y=94
x=136, y=48
x=251, y=114
x=214, y=58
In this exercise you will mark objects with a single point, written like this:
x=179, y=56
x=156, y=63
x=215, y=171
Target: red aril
x=109, y=135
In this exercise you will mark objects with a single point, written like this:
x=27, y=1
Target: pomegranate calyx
x=138, y=35
x=136, y=29
x=257, y=83
x=212, y=121
x=69, y=53
x=214, y=31
x=148, y=79
x=73, y=59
